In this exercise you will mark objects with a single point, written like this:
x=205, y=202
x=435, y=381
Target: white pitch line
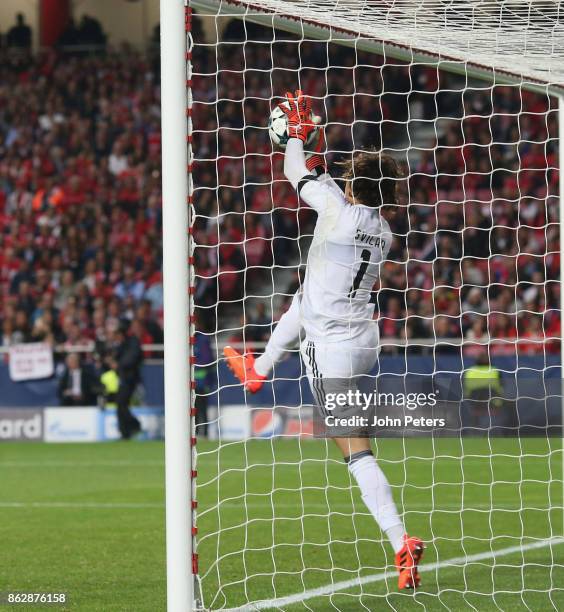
x=96, y=505
x=355, y=582
x=78, y=464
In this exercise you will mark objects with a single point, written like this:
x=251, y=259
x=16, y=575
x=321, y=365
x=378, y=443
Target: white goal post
x=513, y=42
x=174, y=102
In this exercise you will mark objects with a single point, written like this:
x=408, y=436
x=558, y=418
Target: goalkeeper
x=334, y=308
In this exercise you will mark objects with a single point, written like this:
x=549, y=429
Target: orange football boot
x=243, y=368
x=407, y=561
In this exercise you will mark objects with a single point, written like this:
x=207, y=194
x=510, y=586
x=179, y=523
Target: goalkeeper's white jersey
x=350, y=242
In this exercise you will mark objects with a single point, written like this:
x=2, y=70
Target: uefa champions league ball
x=278, y=127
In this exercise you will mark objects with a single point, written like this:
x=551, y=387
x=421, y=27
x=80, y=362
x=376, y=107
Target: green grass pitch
x=279, y=518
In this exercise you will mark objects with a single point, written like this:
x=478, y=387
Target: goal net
x=464, y=94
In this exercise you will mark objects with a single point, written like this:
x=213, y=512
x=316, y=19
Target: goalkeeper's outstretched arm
x=295, y=168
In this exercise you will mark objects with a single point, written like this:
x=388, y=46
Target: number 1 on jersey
x=365, y=256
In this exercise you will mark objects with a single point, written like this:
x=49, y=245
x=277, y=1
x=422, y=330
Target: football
x=278, y=127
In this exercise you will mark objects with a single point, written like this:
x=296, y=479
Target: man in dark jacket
x=77, y=386
x=128, y=359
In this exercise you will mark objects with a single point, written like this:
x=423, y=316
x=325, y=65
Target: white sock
x=264, y=364
x=377, y=495
x=396, y=536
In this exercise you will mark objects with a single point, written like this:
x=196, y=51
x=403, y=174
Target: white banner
x=71, y=424
x=31, y=361
x=234, y=422
x=151, y=419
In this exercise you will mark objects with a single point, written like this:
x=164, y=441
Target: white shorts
x=338, y=367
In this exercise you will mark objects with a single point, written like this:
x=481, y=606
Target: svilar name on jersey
x=369, y=239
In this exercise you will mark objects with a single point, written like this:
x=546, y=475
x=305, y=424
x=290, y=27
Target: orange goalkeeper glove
x=298, y=111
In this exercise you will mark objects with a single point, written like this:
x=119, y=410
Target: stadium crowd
x=80, y=198
x=476, y=253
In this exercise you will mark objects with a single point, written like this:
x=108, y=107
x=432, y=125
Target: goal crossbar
x=409, y=37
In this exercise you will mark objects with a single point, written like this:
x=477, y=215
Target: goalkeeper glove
x=298, y=111
x=315, y=160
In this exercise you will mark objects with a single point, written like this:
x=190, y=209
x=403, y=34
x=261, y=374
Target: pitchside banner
x=71, y=424
x=22, y=425
x=151, y=419
x=242, y=422
x=74, y=424
x=91, y=424
x=282, y=421
x=230, y=422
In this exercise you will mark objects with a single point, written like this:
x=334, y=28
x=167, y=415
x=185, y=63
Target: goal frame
x=178, y=266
